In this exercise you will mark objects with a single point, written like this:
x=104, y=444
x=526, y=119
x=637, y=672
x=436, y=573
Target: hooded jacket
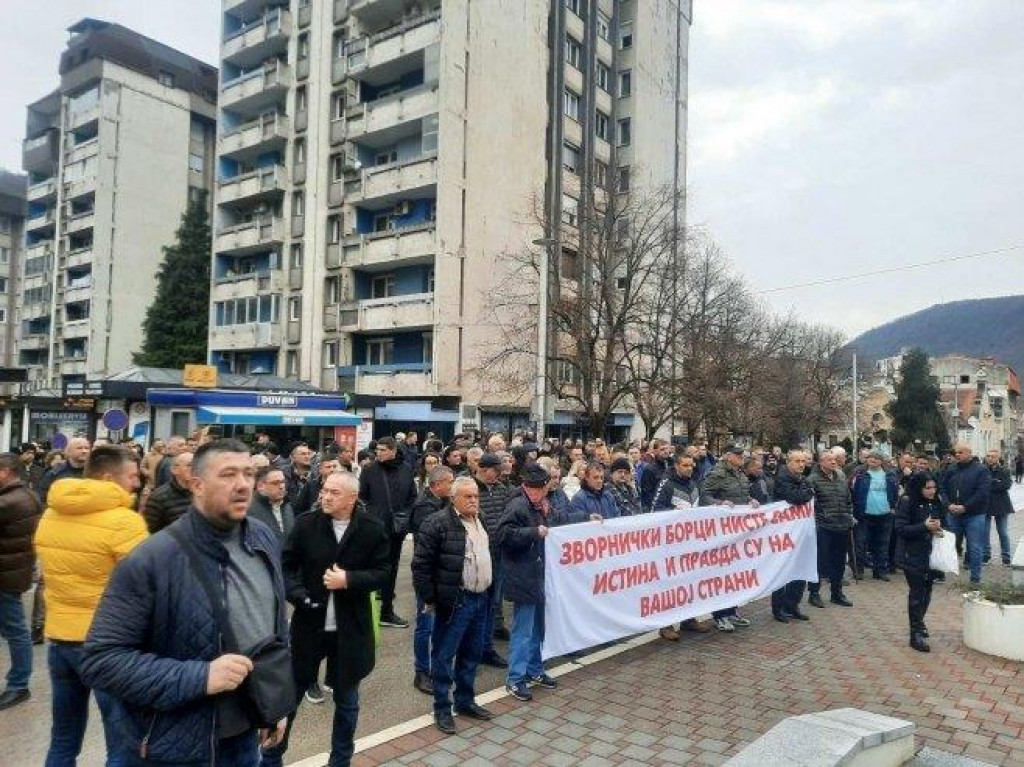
x=88, y=528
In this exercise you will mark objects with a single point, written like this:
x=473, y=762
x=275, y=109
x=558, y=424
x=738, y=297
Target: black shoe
x=986, y=559
x=444, y=721
x=493, y=659
x=314, y=694
x=858, y=574
x=923, y=631
x=798, y=616
x=473, y=711
x=423, y=683
x=501, y=633
x=881, y=577
x=840, y=599
x=918, y=643
x=393, y=620
x=13, y=698
x=37, y=636
x=814, y=600
x=544, y=681
x=781, y=617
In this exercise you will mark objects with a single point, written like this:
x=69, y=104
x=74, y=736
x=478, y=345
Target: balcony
x=387, y=184
x=78, y=187
x=247, y=187
x=267, y=133
x=75, y=329
x=378, y=116
x=79, y=257
x=39, y=154
x=258, y=40
x=73, y=365
x=407, y=312
x=250, y=237
x=384, y=250
x=257, y=91
x=34, y=342
x=244, y=285
x=79, y=223
x=36, y=310
x=376, y=14
x=81, y=117
x=401, y=379
x=40, y=221
x=83, y=151
x=44, y=190
x=393, y=43
x=78, y=292
x=255, y=335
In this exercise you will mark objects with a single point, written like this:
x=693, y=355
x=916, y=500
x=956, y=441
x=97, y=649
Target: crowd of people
x=197, y=589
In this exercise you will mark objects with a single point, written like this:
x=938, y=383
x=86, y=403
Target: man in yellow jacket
x=88, y=527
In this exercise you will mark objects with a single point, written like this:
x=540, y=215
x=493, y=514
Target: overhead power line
x=893, y=269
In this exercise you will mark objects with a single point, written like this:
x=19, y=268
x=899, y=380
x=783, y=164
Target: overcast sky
x=827, y=137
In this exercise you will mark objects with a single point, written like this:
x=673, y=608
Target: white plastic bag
x=944, y=557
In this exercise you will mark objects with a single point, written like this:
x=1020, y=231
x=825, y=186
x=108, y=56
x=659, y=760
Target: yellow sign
x=199, y=376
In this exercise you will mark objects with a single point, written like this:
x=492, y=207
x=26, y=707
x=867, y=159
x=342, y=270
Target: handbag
x=269, y=689
x=943, y=557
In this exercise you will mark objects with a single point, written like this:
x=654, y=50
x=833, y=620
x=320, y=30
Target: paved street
x=695, y=702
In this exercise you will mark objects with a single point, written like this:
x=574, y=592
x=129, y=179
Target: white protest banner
x=604, y=581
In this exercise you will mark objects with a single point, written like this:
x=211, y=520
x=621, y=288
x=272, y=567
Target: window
x=166, y=78
x=568, y=373
x=331, y=354
x=291, y=362
x=337, y=167
x=604, y=27
x=574, y=6
x=428, y=347
x=625, y=132
x=432, y=210
x=380, y=351
x=604, y=76
x=571, y=158
x=338, y=44
x=569, y=264
x=295, y=258
x=303, y=52
x=626, y=35
x=573, y=52
x=294, y=309
x=382, y=286
x=626, y=83
x=298, y=204
x=196, y=162
x=570, y=210
x=600, y=173
x=5, y=255
x=334, y=229
x=386, y=158
x=181, y=423
x=301, y=99
x=572, y=104
x=332, y=293
x=300, y=151
x=3, y=285
x=338, y=106
x=383, y=222
x=428, y=283
x=624, y=178
x=3, y=314
x=601, y=125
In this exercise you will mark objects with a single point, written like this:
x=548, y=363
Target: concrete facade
x=113, y=157
x=377, y=157
x=12, y=242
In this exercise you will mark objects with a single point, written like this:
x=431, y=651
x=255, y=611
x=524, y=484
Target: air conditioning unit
x=403, y=208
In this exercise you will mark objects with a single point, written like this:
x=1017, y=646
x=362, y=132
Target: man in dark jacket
x=333, y=561
x=653, y=467
x=175, y=446
x=792, y=487
x=73, y=467
x=966, y=487
x=521, y=535
x=311, y=490
x=494, y=494
x=833, y=520
x=679, y=488
x=623, y=489
x=171, y=500
x=432, y=500
x=19, y=515
x=297, y=472
x=999, y=507
x=451, y=572
x=388, y=489
x=269, y=504
x=31, y=468
x=154, y=644
x=593, y=497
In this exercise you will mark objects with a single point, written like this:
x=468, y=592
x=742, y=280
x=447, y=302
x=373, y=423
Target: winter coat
x=651, y=471
x=861, y=487
x=705, y=466
x=63, y=471
x=437, y=561
x=19, y=514
x=307, y=496
x=165, y=505
x=587, y=502
x=967, y=484
x=626, y=498
x=761, y=488
x=388, y=489
x=427, y=504
x=724, y=483
x=261, y=509
x=911, y=515
x=156, y=633
x=795, y=489
x=88, y=528
x=492, y=506
x=833, y=509
x=999, y=492
x=295, y=483
x=674, y=492
x=363, y=553
x=522, y=548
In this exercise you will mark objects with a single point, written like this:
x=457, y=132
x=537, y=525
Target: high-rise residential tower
x=378, y=158
x=113, y=156
x=12, y=241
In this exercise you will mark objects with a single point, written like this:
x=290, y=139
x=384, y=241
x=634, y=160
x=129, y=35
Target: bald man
x=170, y=501
x=73, y=467
x=966, y=487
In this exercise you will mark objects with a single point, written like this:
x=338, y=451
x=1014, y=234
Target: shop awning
x=276, y=417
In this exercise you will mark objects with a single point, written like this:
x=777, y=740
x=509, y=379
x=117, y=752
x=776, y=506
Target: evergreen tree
x=915, y=411
x=177, y=321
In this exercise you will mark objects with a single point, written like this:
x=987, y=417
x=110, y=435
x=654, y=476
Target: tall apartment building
x=12, y=240
x=377, y=157
x=113, y=156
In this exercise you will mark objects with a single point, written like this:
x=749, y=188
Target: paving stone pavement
x=699, y=701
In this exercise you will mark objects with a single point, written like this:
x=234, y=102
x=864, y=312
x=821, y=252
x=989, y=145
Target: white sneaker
x=724, y=624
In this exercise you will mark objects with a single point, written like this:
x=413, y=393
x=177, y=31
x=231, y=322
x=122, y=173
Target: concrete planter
x=992, y=628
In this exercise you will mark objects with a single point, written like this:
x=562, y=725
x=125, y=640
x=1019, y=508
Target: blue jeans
x=973, y=528
x=343, y=731
x=495, y=618
x=524, y=661
x=879, y=528
x=70, y=709
x=19, y=641
x=1001, y=531
x=421, y=639
x=458, y=645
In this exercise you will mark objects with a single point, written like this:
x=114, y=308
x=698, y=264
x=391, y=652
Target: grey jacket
x=724, y=483
x=260, y=509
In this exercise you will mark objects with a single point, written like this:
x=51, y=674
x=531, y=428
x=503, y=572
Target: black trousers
x=388, y=595
x=918, y=598
x=831, y=560
x=787, y=599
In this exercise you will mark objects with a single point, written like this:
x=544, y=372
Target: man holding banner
x=792, y=487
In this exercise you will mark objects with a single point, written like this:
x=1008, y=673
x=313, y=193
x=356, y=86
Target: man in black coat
x=388, y=489
x=999, y=507
x=451, y=572
x=311, y=490
x=493, y=496
x=965, y=489
x=19, y=515
x=171, y=500
x=792, y=487
x=73, y=467
x=269, y=504
x=333, y=561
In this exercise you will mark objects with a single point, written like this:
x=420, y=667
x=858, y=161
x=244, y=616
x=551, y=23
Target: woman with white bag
x=918, y=523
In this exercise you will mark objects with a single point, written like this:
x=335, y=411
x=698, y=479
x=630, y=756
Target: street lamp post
x=541, y=388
